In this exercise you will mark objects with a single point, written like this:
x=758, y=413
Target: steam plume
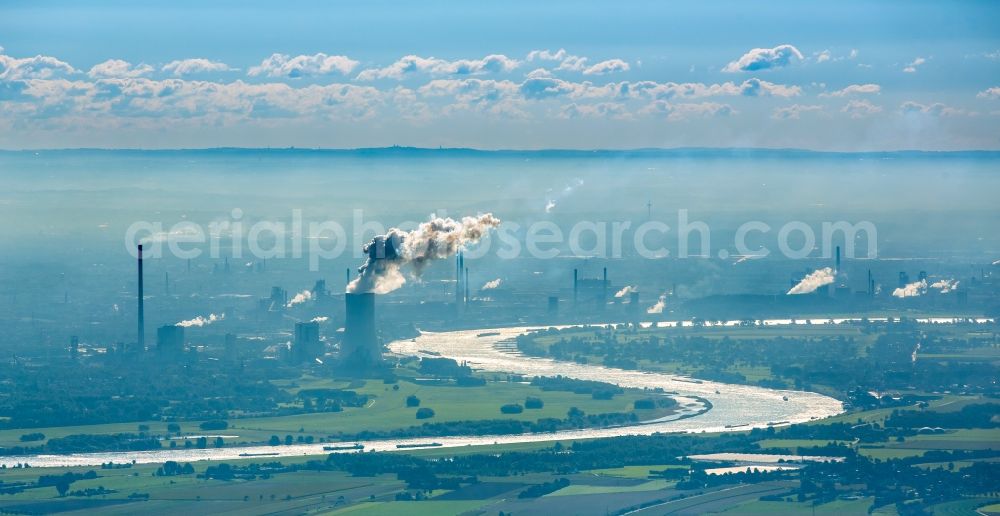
x=626, y=291
x=201, y=321
x=813, y=281
x=659, y=306
x=432, y=240
x=550, y=203
x=911, y=289
x=320, y=319
x=945, y=285
x=490, y=285
x=299, y=298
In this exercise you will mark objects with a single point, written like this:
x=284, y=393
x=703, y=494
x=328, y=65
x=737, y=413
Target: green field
x=387, y=411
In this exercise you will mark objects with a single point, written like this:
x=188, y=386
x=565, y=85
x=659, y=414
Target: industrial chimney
x=360, y=346
x=142, y=319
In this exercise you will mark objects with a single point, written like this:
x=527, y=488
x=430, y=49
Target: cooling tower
x=360, y=346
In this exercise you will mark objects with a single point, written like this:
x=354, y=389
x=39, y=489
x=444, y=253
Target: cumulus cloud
x=118, y=68
x=934, y=109
x=855, y=89
x=764, y=58
x=912, y=67
x=37, y=67
x=282, y=65
x=989, y=93
x=699, y=110
x=194, y=65
x=605, y=67
x=794, y=112
x=860, y=108
x=495, y=63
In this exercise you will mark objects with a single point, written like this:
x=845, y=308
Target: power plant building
x=170, y=341
x=307, y=345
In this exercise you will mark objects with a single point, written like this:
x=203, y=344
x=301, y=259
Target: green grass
x=837, y=507
x=577, y=489
x=792, y=444
x=414, y=508
x=634, y=471
x=890, y=453
x=961, y=507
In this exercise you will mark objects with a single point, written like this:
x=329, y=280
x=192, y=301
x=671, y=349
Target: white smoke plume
x=813, y=281
x=299, y=298
x=201, y=321
x=552, y=200
x=435, y=239
x=659, y=306
x=626, y=291
x=945, y=285
x=320, y=319
x=911, y=289
x=490, y=285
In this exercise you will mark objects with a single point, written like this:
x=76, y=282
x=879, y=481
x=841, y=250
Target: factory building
x=307, y=346
x=170, y=341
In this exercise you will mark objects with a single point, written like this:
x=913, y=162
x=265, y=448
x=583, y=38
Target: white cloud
x=764, y=58
x=547, y=55
x=195, y=65
x=824, y=56
x=989, y=93
x=38, y=67
x=912, y=67
x=855, y=89
x=860, y=108
x=117, y=68
x=609, y=66
x=600, y=110
x=282, y=65
x=794, y=112
x=687, y=111
x=495, y=63
x=935, y=109
x=748, y=88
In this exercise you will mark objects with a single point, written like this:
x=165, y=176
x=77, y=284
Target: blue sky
x=830, y=76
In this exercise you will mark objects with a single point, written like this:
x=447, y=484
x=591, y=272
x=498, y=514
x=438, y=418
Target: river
x=733, y=407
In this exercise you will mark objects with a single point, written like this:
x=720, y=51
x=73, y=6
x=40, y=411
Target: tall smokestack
x=348, y=277
x=142, y=318
x=604, y=288
x=466, y=285
x=871, y=284
x=575, y=277
x=836, y=269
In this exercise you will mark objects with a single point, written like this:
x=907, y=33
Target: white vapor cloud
x=495, y=63
x=38, y=67
x=794, y=112
x=300, y=298
x=764, y=58
x=116, y=68
x=854, y=89
x=609, y=66
x=946, y=285
x=657, y=308
x=282, y=65
x=490, y=285
x=813, y=281
x=201, y=321
x=860, y=108
x=320, y=319
x=195, y=65
x=914, y=289
x=912, y=67
x=935, y=109
x=626, y=290
x=989, y=93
